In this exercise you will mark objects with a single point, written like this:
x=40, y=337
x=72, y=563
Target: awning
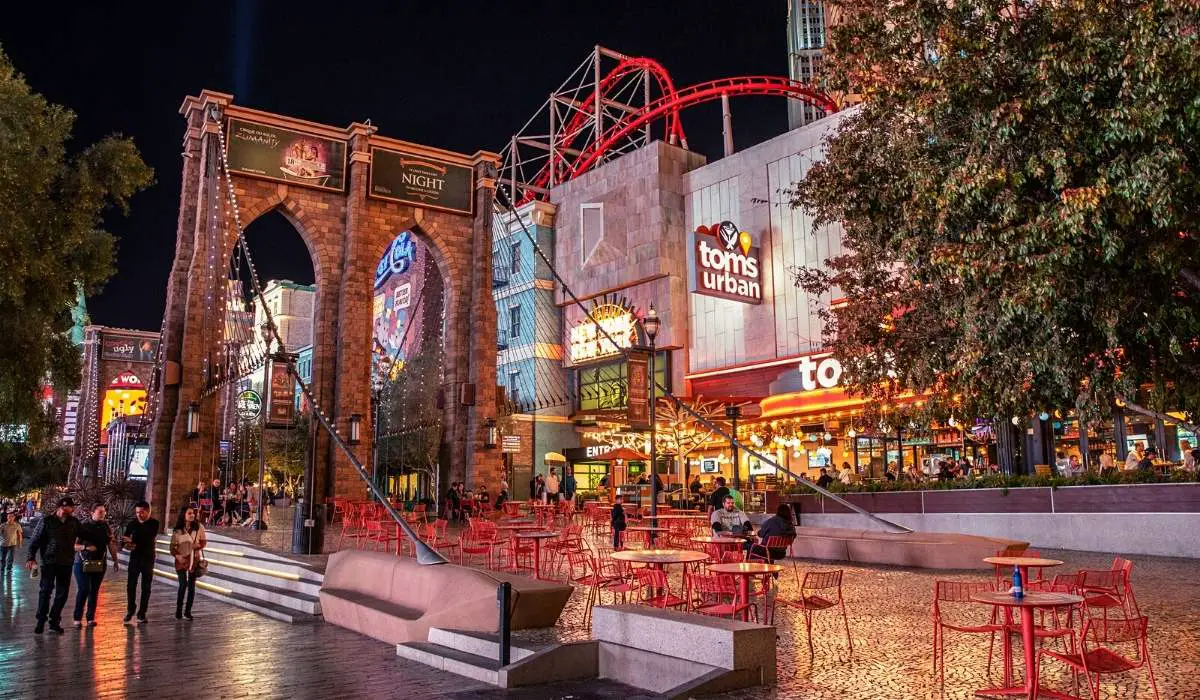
x=554, y=457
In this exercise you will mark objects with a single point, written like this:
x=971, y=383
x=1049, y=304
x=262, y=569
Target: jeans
x=144, y=570
x=56, y=579
x=7, y=554
x=87, y=591
x=187, y=583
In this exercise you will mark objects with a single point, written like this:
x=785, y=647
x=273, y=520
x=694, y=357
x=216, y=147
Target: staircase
x=470, y=654
x=248, y=577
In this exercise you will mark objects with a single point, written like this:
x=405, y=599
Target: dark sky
x=460, y=75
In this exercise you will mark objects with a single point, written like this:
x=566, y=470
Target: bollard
x=503, y=601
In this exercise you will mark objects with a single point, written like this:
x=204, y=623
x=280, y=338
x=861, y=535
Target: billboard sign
x=638, y=411
x=284, y=155
x=128, y=348
x=589, y=341
x=422, y=181
x=510, y=444
x=70, y=416
x=724, y=262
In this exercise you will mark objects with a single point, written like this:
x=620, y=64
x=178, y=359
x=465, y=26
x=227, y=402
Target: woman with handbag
x=187, y=546
x=95, y=537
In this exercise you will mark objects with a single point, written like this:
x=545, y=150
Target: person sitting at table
x=824, y=480
x=482, y=494
x=729, y=519
x=778, y=525
x=617, y=521
x=718, y=495
x=502, y=496
x=847, y=475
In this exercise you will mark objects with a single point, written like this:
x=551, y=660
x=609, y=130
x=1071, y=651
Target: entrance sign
x=510, y=444
x=825, y=373
x=587, y=343
x=281, y=400
x=275, y=153
x=249, y=405
x=639, y=390
x=423, y=181
x=723, y=262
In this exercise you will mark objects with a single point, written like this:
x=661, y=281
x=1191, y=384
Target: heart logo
x=744, y=240
x=728, y=235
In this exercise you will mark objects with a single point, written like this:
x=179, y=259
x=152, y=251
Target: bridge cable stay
x=424, y=553
x=501, y=202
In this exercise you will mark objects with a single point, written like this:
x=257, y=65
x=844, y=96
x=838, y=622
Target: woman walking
x=187, y=543
x=95, y=538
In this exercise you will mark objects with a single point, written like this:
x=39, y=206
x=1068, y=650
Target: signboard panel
x=422, y=181
x=128, y=348
x=590, y=341
x=281, y=406
x=70, y=416
x=724, y=262
x=284, y=155
x=249, y=405
x=638, y=411
x=510, y=444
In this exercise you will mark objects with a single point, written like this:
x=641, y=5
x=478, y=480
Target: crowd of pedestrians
x=69, y=548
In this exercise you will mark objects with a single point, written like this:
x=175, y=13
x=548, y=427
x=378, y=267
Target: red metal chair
x=821, y=590
x=955, y=592
x=1004, y=573
x=656, y=591
x=1096, y=658
x=709, y=594
x=352, y=525
x=477, y=541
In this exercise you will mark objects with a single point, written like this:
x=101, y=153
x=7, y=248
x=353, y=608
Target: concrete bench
x=681, y=654
x=396, y=600
x=927, y=550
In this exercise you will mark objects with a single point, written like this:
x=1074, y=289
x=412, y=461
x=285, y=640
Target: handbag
x=201, y=566
x=92, y=566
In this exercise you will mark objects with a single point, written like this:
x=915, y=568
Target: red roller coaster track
x=568, y=157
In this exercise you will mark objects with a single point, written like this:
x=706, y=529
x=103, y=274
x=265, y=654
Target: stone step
x=283, y=597
x=261, y=572
x=216, y=590
x=451, y=660
x=478, y=643
x=239, y=552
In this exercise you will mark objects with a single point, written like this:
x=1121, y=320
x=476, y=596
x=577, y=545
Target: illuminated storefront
x=125, y=396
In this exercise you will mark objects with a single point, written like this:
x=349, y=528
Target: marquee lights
x=588, y=343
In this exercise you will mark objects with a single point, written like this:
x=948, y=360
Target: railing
x=500, y=274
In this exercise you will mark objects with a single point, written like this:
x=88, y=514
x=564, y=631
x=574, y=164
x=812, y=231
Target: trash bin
x=308, y=534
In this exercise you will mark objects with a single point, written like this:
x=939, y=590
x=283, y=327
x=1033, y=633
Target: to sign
x=249, y=405
x=823, y=374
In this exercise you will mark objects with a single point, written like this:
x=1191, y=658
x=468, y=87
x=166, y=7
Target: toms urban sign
x=819, y=372
x=723, y=262
x=421, y=181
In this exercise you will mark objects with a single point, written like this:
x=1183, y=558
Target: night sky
x=458, y=75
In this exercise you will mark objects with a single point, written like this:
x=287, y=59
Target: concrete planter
x=1128, y=518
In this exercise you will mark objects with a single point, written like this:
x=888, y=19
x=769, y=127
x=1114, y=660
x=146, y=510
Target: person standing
x=94, y=539
x=617, y=521
x=552, y=486
x=12, y=536
x=140, y=538
x=54, y=538
x=568, y=484
x=187, y=543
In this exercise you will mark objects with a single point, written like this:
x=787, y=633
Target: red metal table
x=537, y=536
x=743, y=571
x=1026, y=605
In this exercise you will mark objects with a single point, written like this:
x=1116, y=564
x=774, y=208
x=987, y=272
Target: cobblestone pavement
x=228, y=652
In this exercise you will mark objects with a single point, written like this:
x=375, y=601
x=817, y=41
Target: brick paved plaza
x=231, y=653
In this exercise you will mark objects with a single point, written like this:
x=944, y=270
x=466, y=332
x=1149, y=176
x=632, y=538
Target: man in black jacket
x=55, y=539
x=140, y=537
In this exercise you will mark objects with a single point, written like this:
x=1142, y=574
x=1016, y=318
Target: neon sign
x=398, y=258
x=588, y=343
x=730, y=269
x=823, y=374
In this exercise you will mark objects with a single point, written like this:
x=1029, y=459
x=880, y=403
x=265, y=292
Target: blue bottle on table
x=1018, y=591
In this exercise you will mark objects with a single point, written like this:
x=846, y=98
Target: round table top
x=647, y=528
x=660, y=556
x=680, y=516
x=1035, y=562
x=722, y=539
x=519, y=526
x=744, y=568
x=539, y=535
x=1032, y=599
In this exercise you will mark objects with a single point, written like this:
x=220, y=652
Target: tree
x=1019, y=199
x=286, y=450
x=51, y=206
x=25, y=467
x=410, y=422
x=680, y=432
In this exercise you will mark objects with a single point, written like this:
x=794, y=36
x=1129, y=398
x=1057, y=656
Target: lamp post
x=650, y=324
x=268, y=334
x=733, y=413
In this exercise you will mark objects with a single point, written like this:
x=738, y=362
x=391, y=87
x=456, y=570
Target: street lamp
x=650, y=324
x=493, y=434
x=192, y=426
x=355, y=430
x=267, y=332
